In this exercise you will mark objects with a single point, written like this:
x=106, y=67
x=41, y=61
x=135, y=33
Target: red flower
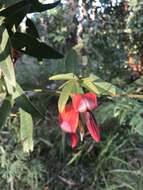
x=92, y=126
x=74, y=139
x=84, y=102
x=69, y=119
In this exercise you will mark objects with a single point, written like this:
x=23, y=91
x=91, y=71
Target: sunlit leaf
x=26, y=131
x=6, y=64
x=86, y=83
x=5, y=110
x=64, y=96
x=67, y=76
x=104, y=87
x=69, y=88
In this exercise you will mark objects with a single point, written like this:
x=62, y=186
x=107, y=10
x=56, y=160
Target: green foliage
x=115, y=162
x=124, y=111
x=137, y=121
x=10, y=18
x=17, y=172
x=75, y=84
x=135, y=27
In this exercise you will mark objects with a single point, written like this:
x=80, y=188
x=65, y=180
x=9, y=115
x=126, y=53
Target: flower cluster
x=77, y=114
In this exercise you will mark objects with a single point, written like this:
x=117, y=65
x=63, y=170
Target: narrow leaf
x=16, y=17
x=16, y=7
x=5, y=60
x=68, y=76
x=32, y=6
x=5, y=110
x=64, y=96
x=104, y=87
x=39, y=7
x=86, y=83
x=31, y=28
x=28, y=44
x=137, y=122
x=26, y=131
x=74, y=158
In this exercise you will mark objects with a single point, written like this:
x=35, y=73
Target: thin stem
x=135, y=96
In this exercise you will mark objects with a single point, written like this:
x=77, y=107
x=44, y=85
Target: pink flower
x=70, y=121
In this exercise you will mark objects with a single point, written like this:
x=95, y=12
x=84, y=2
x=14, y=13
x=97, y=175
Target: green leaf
x=3, y=92
x=70, y=87
x=28, y=44
x=77, y=88
x=23, y=101
x=17, y=10
x=15, y=13
x=7, y=3
x=31, y=28
x=104, y=87
x=71, y=62
x=30, y=6
x=5, y=110
x=86, y=83
x=75, y=157
x=64, y=96
x=15, y=18
x=67, y=76
x=26, y=131
x=6, y=64
x=39, y=7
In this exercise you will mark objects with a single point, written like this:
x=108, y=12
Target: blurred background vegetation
x=97, y=37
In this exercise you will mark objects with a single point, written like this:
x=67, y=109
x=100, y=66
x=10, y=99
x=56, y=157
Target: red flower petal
x=84, y=102
x=69, y=119
x=91, y=100
x=74, y=140
x=78, y=103
x=92, y=126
